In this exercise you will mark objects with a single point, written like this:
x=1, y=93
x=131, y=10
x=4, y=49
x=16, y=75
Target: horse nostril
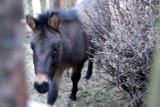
x=36, y=86
x=41, y=88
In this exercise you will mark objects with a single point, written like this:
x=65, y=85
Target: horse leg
x=76, y=74
x=89, y=71
x=52, y=93
x=54, y=88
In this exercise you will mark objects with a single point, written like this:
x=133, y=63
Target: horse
x=58, y=43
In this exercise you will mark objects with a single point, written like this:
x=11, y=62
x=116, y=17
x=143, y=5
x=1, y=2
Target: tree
x=12, y=86
x=58, y=4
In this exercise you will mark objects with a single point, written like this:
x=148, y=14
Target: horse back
x=75, y=43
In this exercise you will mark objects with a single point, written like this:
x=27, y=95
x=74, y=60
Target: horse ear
x=31, y=21
x=54, y=22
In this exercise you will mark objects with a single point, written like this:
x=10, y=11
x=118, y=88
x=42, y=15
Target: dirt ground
x=92, y=93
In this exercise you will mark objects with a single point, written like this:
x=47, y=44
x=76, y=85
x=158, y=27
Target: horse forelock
x=42, y=19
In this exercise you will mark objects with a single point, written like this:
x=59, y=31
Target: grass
x=91, y=93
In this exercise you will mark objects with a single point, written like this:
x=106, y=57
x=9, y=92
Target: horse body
x=75, y=45
x=58, y=43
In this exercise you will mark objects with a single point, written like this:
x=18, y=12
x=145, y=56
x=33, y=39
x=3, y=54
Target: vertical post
x=12, y=86
x=36, y=4
x=58, y=4
x=61, y=4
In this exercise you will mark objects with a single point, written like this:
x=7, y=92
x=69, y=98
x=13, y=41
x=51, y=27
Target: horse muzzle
x=41, y=84
x=41, y=88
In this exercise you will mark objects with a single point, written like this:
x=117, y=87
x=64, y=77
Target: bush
x=124, y=47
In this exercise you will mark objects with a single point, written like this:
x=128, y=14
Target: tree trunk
x=61, y=3
x=12, y=87
x=58, y=4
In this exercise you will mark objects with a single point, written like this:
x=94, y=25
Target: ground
x=91, y=93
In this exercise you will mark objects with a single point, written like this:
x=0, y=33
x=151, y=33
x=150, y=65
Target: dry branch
x=126, y=46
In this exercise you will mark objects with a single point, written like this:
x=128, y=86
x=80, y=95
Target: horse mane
x=64, y=15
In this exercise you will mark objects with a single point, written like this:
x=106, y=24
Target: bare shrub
x=126, y=45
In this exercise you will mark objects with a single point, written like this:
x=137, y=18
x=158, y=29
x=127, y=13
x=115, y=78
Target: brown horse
x=58, y=43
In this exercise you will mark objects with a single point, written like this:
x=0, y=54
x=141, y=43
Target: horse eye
x=32, y=46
